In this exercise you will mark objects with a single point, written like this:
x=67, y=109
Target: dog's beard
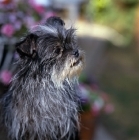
x=71, y=68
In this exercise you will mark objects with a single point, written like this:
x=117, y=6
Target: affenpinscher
x=42, y=103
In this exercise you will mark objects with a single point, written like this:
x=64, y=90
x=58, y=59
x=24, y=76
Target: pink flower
x=95, y=110
x=109, y=108
x=97, y=106
x=38, y=8
x=8, y=30
x=5, y=77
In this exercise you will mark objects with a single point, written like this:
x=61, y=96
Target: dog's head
x=54, y=47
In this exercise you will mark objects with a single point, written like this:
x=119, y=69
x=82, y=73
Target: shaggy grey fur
x=42, y=103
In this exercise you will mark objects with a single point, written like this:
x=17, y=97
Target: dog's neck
x=47, y=108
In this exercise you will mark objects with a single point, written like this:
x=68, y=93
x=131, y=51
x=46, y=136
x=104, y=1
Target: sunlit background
x=108, y=32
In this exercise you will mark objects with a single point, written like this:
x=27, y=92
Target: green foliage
x=129, y=1
x=113, y=14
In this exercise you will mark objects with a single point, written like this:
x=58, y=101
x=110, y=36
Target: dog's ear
x=55, y=21
x=27, y=47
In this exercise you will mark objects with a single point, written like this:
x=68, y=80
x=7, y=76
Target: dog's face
x=54, y=47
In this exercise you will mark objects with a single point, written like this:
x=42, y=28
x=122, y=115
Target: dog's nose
x=76, y=53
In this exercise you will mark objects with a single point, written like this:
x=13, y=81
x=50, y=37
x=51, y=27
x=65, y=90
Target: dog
x=42, y=102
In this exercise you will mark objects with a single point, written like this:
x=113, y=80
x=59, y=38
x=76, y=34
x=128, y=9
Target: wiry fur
x=42, y=103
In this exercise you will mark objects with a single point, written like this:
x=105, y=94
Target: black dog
x=42, y=103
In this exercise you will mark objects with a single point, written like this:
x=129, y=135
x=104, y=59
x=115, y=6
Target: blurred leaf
x=109, y=13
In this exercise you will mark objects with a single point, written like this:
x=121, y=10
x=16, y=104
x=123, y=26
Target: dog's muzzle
x=78, y=58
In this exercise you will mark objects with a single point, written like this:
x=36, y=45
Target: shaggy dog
x=42, y=103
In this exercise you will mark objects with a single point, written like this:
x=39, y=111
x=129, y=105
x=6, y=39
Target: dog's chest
x=45, y=109
x=47, y=112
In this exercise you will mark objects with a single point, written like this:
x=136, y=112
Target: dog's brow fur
x=42, y=103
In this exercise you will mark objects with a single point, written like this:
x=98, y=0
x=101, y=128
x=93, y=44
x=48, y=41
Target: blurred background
x=108, y=32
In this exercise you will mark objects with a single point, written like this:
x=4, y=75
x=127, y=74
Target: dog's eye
x=57, y=50
x=67, y=47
